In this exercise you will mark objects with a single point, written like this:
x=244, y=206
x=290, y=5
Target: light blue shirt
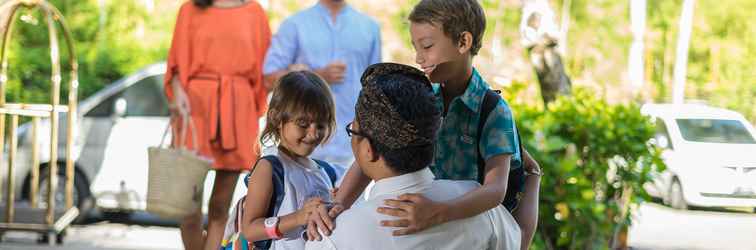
x=313, y=38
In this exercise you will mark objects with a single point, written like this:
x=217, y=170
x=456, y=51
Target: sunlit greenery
x=118, y=37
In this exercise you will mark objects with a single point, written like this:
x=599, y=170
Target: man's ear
x=465, y=42
x=371, y=151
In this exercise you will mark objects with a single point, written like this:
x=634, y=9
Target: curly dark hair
x=410, y=94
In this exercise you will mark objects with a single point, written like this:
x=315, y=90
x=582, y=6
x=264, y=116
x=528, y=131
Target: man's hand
x=298, y=67
x=333, y=73
x=416, y=213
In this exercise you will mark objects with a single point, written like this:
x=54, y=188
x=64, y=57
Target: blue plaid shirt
x=455, y=154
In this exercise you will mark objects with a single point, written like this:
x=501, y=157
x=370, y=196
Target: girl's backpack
x=233, y=239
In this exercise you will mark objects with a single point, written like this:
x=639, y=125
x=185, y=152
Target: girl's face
x=432, y=48
x=301, y=136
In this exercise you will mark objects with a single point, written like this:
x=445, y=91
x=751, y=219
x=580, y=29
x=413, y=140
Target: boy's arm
x=418, y=213
x=497, y=146
x=352, y=186
x=526, y=214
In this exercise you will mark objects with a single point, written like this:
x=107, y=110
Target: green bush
x=594, y=155
x=112, y=39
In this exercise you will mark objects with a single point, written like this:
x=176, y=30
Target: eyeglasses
x=351, y=132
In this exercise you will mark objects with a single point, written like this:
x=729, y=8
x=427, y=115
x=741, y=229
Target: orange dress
x=217, y=54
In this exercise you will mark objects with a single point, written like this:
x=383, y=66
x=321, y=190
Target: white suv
x=116, y=125
x=710, y=155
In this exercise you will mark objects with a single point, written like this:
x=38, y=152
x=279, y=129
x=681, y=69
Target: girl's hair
x=299, y=94
x=203, y=3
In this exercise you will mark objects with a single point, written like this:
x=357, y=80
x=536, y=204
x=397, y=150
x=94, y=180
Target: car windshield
x=715, y=131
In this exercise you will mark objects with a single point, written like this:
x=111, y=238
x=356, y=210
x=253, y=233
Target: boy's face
x=432, y=48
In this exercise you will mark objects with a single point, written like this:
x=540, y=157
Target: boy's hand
x=416, y=213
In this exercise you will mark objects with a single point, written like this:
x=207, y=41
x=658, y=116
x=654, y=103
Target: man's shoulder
x=361, y=211
x=364, y=18
x=301, y=17
x=357, y=225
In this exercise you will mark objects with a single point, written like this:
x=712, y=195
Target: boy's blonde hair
x=455, y=17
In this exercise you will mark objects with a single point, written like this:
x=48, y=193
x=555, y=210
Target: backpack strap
x=277, y=197
x=329, y=170
x=516, y=180
x=489, y=103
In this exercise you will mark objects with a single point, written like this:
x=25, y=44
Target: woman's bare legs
x=191, y=231
x=217, y=211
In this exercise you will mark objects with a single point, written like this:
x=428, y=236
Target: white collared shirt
x=359, y=227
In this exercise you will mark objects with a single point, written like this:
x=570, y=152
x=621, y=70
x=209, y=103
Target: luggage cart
x=48, y=220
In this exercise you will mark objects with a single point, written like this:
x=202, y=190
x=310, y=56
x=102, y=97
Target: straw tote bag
x=176, y=176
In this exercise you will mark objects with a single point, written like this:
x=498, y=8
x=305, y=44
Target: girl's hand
x=319, y=219
x=416, y=213
x=309, y=207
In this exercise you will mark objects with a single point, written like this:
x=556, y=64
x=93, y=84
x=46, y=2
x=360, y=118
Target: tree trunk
x=540, y=35
x=681, y=61
x=635, y=64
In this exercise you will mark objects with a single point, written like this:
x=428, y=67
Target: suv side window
x=662, y=134
x=146, y=98
x=105, y=108
x=143, y=98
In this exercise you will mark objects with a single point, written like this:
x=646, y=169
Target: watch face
x=270, y=222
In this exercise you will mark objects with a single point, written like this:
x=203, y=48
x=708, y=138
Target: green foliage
x=722, y=52
x=592, y=154
x=110, y=41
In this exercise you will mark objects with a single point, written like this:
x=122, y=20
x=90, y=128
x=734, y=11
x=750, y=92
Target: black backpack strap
x=329, y=170
x=277, y=197
x=489, y=103
x=516, y=180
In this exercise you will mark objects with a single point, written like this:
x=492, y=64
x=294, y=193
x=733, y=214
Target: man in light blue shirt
x=338, y=43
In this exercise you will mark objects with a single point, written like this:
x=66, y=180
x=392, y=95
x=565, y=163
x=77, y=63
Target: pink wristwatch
x=271, y=228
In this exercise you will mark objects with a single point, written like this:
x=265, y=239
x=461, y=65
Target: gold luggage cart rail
x=46, y=220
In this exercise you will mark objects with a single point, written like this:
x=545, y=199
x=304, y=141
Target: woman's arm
x=418, y=213
x=259, y=193
x=526, y=214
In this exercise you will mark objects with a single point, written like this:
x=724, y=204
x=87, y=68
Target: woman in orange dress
x=214, y=75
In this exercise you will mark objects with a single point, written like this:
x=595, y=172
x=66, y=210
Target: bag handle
x=187, y=121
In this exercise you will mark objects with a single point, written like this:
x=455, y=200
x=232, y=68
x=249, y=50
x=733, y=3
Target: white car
x=710, y=155
x=116, y=126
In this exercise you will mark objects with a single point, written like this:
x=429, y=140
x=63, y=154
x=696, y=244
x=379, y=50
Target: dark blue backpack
x=279, y=191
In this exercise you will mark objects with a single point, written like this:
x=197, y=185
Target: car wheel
x=665, y=197
x=81, y=195
x=676, y=199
